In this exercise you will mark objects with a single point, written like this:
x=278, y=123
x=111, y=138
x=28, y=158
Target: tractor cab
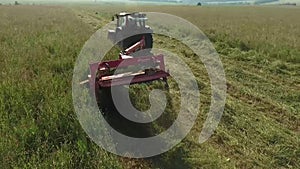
x=130, y=29
x=126, y=20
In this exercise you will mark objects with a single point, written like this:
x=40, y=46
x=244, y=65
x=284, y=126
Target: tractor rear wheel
x=148, y=40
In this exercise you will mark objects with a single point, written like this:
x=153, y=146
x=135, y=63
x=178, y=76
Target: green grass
x=39, y=129
x=259, y=47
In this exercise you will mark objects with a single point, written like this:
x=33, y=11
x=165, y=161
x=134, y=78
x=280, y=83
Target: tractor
x=130, y=28
x=136, y=69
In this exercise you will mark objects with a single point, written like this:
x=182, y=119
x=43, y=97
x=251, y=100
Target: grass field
x=260, y=51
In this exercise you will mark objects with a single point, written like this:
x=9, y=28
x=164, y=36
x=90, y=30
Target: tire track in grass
x=262, y=103
x=96, y=22
x=266, y=75
x=263, y=96
x=255, y=132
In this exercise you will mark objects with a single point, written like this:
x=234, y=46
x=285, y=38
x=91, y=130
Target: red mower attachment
x=103, y=71
x=128, y=69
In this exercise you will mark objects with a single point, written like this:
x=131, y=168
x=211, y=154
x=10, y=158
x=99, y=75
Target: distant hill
x=265, y=1
x=185, y=2
x=208, y=2
x=222, y=2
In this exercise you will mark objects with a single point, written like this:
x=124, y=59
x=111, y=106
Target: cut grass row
x=259, y=126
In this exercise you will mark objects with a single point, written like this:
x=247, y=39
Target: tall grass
x=38, y=48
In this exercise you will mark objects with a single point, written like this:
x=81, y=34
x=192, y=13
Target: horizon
x=162, y=2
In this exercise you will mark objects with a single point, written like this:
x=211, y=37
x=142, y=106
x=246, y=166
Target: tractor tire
x=148, y=41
